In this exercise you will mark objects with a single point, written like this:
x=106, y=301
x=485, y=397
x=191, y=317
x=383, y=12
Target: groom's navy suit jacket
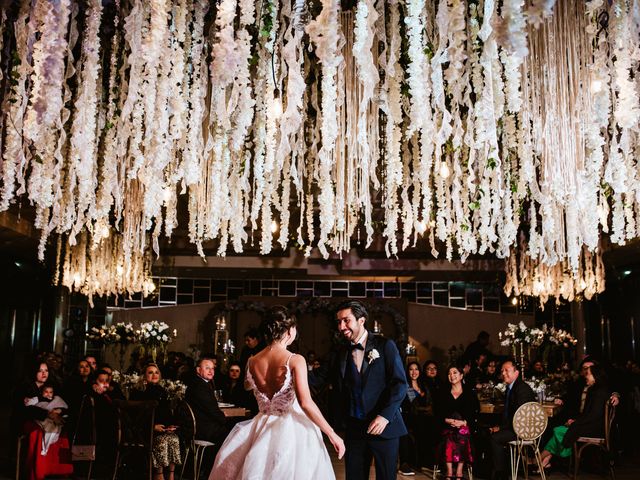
x=384, y=384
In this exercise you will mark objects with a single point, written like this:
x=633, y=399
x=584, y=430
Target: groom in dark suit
x=372, y=384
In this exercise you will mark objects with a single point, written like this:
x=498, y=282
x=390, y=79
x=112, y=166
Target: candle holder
x=518, y=355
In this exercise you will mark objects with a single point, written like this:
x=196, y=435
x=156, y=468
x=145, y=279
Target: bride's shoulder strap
x=288, y=359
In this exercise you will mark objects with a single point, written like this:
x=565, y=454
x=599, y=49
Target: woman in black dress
x=456, y=411
x=431, y=378
x=166, y=444
x=414, y=409
x=75, y=388
x=588, y=423
x=57, y=459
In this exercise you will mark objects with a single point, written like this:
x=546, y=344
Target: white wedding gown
x=279, y=443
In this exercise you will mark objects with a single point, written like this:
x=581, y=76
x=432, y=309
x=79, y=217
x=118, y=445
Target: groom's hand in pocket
x=377, y=426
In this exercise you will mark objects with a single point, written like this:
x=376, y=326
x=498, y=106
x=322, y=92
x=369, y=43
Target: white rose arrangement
x=155, y=335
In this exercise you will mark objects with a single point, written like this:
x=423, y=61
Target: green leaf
x=429, y=50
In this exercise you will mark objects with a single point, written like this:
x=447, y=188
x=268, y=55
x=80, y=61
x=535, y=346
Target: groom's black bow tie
x=356, y=346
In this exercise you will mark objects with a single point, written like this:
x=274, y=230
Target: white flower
x=373, y=354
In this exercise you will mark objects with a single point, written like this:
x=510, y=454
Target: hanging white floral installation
x=463, y=122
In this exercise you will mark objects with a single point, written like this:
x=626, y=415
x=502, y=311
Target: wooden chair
x=529, y=423
x=134, y=432
x=436, y=471
x=188, y=429
x=604, y=443
x=21, y=439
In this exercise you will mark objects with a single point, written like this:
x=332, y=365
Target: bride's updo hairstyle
x=277, y=323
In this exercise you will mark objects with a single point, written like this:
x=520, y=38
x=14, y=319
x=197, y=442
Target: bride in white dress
x=283, y=441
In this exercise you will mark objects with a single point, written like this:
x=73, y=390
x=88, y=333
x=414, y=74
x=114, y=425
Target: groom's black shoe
x=406, y=470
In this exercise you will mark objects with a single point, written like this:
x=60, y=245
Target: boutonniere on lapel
x=373, y=354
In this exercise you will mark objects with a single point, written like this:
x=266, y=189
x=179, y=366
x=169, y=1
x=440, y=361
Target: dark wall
x=613, y=321
x=26, y=313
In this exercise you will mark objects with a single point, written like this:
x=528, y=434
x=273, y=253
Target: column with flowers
x=154, y=337
x=102, y=336
x=521, y=338
x=123, y=336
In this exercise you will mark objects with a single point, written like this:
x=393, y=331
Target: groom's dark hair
x=357, y=308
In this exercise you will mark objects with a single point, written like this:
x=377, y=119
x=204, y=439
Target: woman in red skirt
x=456, y=409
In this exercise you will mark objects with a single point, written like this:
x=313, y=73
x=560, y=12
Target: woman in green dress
x=590, y=421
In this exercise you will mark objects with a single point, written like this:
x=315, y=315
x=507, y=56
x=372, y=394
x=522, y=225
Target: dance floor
x=626, y=470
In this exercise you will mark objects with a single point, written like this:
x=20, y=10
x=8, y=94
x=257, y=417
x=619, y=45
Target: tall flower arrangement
x=154, y=337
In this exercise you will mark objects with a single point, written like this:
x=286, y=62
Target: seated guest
x=491, y=373
x=55, y=362
x=234, y=391
x=517, y=394
x=456, y=410
x=476, y=374
x=114, y=390
x=77, y=386
x=588, y=423
x=572, y=400
x=538, y=370
x=316, y=376
x=413, y=408
x=26, y=419
x=211, y=424
x=253, y=344
x=52, y=426
x=432, y=380
x=166, y=443
x=93, y=364
x=106, y=420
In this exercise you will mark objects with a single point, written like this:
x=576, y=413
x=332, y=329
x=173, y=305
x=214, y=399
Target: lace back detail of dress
x=281, y=401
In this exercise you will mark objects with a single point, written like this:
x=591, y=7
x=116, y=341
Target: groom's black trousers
x=361, y=448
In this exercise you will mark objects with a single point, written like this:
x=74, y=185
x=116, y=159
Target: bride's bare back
x=269, y=370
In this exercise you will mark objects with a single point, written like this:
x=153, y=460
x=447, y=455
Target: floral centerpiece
x=175, y=390
x=153, y=336
x=499, y=389
x=127, y=381
x=560, y=338
x=545, y=339
x=123, y=333
x=103, y=335
x=539, y=386
x=521, y=335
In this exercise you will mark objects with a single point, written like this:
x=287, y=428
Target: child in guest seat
x=47, y=400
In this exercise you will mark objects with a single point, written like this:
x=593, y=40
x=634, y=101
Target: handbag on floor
x=83, y=453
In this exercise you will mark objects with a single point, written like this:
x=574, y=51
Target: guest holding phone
x=166, y=444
